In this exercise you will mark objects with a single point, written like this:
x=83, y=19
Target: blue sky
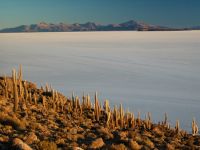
x=174, y=13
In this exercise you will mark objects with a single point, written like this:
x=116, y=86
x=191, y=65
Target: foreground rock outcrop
x=44, y=119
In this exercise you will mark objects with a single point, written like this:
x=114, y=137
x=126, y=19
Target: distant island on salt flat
x=131, y=25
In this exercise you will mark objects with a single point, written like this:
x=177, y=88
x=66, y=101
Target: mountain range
x=91, y=26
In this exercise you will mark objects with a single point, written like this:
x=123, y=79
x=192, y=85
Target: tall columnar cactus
x=44, y=102
x=88, y=102
x=73, y=100
x=165, y=119
x=97, y=107
x=20, y=76
x=25, y=91
x=138, y=119
x=106, y=106
x=53, y=100
x=121, y=115
x=77, y=104
x=62, y=104
x=107, y=111
x=116, y=116
x=195, y=129
x=148, y=121
x=177, y=127
x=127, y=119
x=83, y=101
x=108, y=118
x=35, y=99
x=57, y=100
x=132, y=120
x=47, y=87
x=168, y=126
x=15, y=90
x=30, y=97
x=6, y=86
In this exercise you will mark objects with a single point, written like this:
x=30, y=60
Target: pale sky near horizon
x=172, y=13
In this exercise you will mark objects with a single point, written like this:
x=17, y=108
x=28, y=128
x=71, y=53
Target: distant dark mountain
x=89, y=26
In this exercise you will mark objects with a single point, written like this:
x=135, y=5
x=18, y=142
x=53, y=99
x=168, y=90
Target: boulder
x=31, y=138
x=20, y=145
x=98, y=143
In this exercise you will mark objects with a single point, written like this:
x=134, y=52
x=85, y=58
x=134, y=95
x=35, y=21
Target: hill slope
x=32, y=118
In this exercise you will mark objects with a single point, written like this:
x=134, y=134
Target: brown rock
x=77, y=148
x=98, y=143
x=60, y=141
x=134, y=145
x=91, y=135
x=31, y=138
x=158, y=131
x=19, y=144
x=73, y=131
x=148, y=143
x=46, y=145
x=118, y=147
x=170, y=147
x=4, y=139
x=104, y=133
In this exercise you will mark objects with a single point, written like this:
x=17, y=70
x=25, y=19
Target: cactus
x=6, y=86
x=149, y=117
x=116, y=116
x=88, y=102
x=83, y=101
x=108, y=118
x=15, y=90
x=96, y=107
x=138, y=119
x=56, y=101
x=62, y=104
x=121, y=115
x=25, y=92
x=165, y=119
x=20, y=75
x=47, y=87
x=107, y=111
x=195, y=129
x=168, y=125
x=177, y=127
x=132, y=120
x=30, y=97
x=35, y=99
x=106, y=106
x=44, y=101
x=127, y=118
x=53, y=99
x=148, y=121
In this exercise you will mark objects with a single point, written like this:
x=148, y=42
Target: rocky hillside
x=89, y=26
x=44, y=119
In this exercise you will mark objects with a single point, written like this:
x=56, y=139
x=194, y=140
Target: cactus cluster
x=22, y=96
